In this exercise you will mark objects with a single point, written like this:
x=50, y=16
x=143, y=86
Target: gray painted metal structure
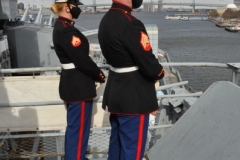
x=4, y=53
x=8, y=9
x=40, y=54
x=209, y=130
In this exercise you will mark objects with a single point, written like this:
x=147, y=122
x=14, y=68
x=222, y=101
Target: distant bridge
x=160, y=4
x=147, y=6
x=189, y=4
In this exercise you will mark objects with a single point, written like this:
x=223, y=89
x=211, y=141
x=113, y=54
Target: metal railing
x=235, y=69
x=235, y=76
x=47, y=69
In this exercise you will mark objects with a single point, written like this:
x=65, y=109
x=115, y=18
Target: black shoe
x=86, y=158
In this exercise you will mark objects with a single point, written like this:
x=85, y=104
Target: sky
x=47, y=3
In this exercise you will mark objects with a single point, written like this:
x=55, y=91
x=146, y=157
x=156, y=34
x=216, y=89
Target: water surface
x=187, y=41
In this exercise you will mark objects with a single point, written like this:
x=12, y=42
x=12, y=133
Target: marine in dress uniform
x=130, y=93
x=77, y=81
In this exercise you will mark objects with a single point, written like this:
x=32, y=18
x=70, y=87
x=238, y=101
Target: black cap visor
x=75, y=2
x=79, y=3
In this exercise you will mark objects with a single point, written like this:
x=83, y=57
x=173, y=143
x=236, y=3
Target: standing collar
x=66, y=20
x=121, y=6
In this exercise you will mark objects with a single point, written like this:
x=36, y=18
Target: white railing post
x=235, y=71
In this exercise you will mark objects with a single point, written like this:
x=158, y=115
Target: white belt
x=68, y=66
x=124, y=70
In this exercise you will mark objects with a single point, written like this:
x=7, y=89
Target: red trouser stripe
x=140, y=137
x=81, y=129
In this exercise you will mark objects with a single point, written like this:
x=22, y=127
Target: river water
x=187, y=41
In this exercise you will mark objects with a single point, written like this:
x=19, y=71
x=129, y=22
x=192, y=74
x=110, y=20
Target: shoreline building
x=150, y=6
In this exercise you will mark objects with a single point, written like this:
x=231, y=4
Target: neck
x=124, y=2
x=66, y=15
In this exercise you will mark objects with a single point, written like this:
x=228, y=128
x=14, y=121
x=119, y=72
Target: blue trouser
x=128, y=136
x=78, y=128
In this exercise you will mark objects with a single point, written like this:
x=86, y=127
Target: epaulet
x=65, y=23
x=127, y=14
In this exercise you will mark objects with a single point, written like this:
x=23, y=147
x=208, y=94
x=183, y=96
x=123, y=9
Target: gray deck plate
x=209, y=130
